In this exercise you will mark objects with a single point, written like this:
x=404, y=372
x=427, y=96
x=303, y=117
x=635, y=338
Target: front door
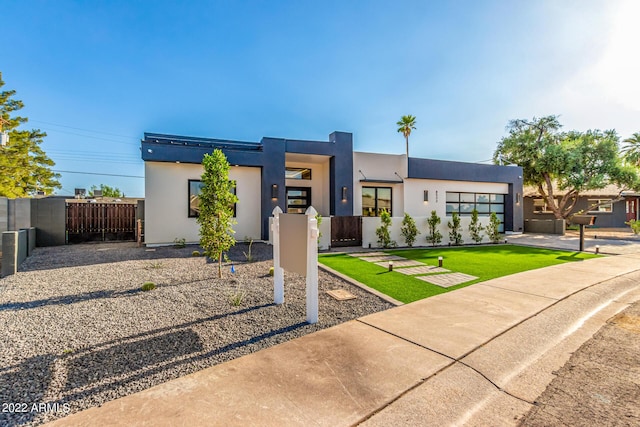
x=298, y=199
x=632, y=208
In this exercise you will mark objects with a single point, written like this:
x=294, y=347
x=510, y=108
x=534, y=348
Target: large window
x=600, y=205
x=375, y=199
x=297, y=173
x=484, y=203
x=195, y=186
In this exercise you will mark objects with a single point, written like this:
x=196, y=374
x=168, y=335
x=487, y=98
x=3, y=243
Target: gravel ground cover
x=77, y=330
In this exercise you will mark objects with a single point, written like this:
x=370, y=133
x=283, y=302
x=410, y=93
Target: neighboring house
x=338, y=182
x=611, y=206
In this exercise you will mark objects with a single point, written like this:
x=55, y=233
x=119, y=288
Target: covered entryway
x=346, y=231
x=100, y=222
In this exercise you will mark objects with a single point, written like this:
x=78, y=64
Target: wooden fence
x=100, y=221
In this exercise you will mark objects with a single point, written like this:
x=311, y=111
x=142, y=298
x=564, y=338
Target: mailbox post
x=583, y=220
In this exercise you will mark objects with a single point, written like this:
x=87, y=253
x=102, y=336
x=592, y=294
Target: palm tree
x=631, y=151
x=406, y=125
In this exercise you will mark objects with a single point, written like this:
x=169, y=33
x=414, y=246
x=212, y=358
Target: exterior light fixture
x=597, y=249
x=518, y=199
x=390, y=265
x=274, y=191
x=426, y=195
x=344, y=194
x=439, y=261
x=149, y=150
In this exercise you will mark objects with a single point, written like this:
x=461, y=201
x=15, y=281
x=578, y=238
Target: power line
x=96, y=173
x=84, y=130
x=92, y=137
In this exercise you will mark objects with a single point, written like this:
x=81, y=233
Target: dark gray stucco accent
x=272, y=173
x=461, y=171
x=341, y=174
x=160, y=152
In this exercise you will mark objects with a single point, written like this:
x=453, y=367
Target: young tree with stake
x=216, y=207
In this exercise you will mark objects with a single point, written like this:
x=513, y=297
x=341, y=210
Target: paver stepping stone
x=447, y=280
x=365, y=254
x=341, y=294
x=425, y=269
x=401, y=263
x=383, y=258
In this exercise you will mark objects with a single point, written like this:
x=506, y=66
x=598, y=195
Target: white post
x=312, y=265
x=278, y=272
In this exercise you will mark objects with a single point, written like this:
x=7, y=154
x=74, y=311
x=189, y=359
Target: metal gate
x=346, y=231
x=100, y=222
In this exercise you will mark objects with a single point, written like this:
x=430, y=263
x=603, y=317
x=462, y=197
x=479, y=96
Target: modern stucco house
x=329, y=175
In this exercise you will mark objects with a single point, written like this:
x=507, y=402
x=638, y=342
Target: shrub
x=148, y=286
x=237, y=296
x=455, y=237
x=248, y=256
x=409, y=230
x=635, y=226
x=434, y=237
x=154, y=265
x=195, y=253
x=384, y=237
x=492, y=229
x=319, y=221
x=179, y=243
x=475, y=228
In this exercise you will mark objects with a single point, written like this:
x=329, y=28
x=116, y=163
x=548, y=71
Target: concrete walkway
x=479, y=355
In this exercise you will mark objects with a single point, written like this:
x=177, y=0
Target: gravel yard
x=77, y=331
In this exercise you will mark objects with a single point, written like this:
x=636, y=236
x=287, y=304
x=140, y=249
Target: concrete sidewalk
x=475, y=356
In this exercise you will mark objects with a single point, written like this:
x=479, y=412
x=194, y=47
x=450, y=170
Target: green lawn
x=484, y=262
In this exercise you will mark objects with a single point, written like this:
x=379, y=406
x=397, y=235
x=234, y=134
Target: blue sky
x=95, y=75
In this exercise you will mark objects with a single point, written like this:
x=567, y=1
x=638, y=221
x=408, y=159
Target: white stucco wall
x=166, y=202
x=412, y=195
x=379, y=167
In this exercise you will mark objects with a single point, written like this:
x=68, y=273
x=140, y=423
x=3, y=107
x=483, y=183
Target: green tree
x=492, y=229
x=631, y=150
x=25, y=167
x=573, y=161
x=384, y=236
x=435, y=236
x=409, y=230
x=107, y=191
x=216, y=207
x=405, y=126
x=475, y=228
x=455, y=237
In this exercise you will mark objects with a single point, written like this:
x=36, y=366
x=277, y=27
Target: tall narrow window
x=375, y=199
